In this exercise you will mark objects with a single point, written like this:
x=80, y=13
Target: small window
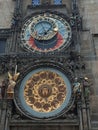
x=46, y=2
x=57, y=2
x=35, y=2
x=2, y=45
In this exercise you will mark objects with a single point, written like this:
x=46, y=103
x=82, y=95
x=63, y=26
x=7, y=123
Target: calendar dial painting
x=43, y=93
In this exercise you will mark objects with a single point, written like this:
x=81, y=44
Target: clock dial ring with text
x=46, y=32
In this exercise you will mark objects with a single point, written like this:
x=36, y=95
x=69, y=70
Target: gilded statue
x=12, y=80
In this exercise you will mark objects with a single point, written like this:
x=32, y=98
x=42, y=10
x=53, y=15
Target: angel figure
x=12, y=80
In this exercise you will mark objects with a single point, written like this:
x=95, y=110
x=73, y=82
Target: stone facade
x=6, y=13
x=89, y=39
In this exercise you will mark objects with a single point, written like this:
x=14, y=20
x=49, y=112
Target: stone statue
x=87, y=92
x=86, y=86
x=77, y=90
x=3, y=88
x=77, y=87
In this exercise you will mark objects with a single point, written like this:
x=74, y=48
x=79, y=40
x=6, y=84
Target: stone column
x=88, y=114
x=80, y=116
x=3, y=116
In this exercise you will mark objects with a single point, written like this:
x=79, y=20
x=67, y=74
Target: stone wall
x=89, y=45
x=89, y=11
x=6, y=13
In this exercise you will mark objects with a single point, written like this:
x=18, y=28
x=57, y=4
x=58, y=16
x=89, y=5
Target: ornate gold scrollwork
x=45, y=91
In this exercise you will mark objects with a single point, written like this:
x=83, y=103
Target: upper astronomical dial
x=46, y=32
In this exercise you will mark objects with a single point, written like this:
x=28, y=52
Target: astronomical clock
x=45, y=92
x=46, y=32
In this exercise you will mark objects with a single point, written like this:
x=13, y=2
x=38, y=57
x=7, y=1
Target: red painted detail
x=59, y=43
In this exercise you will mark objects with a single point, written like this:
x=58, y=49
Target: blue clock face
x=46, y=32
x=43, y=28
